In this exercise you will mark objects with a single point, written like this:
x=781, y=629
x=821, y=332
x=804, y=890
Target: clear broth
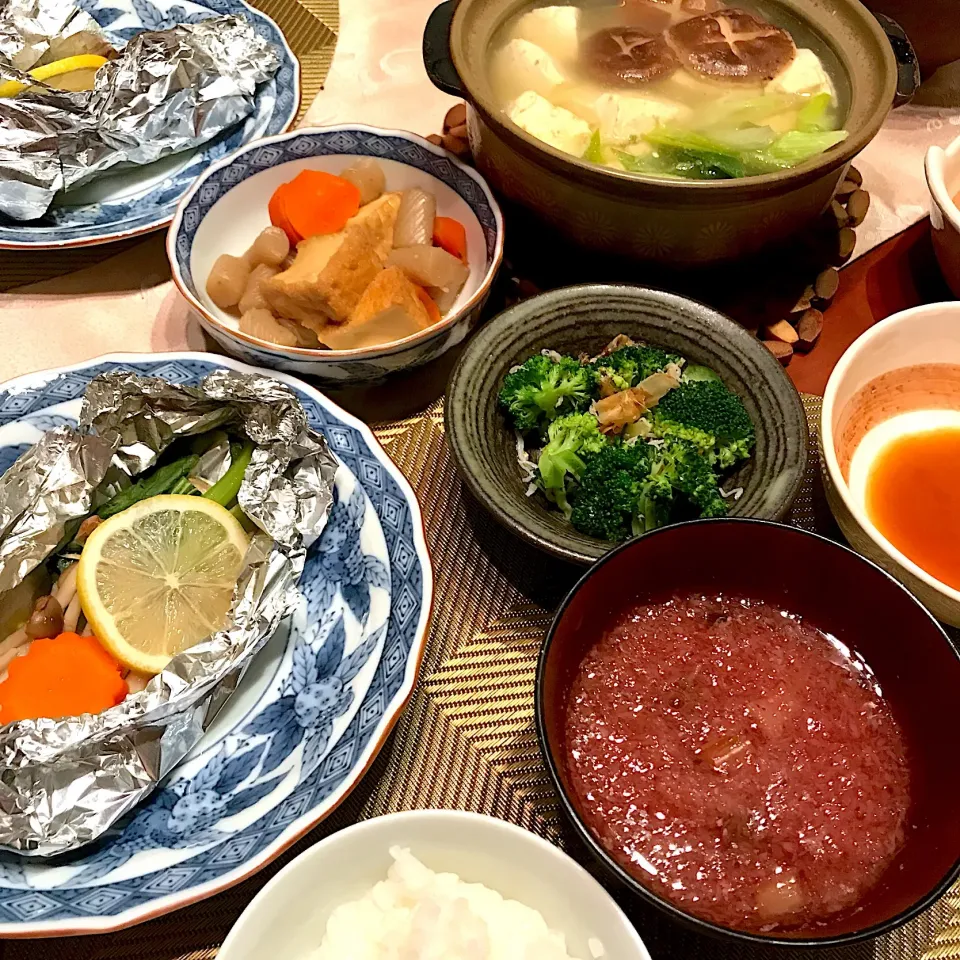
x=692, y=92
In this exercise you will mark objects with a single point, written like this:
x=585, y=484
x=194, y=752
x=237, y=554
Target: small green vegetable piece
x=225, y=490
x=245, y=521
x=162, y=480
x=543, y=389
x=814, y=114
x=710, y=416
x=184, y=488
x=627, y=366
x=594, y=152
x=571, y=438
x=792, y=148
x=697, y=371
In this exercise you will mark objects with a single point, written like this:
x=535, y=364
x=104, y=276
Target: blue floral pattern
x=349, y=664
x=275, y=106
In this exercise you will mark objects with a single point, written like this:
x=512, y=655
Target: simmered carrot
x=430, y=304
x=318, y=202
x=277, y=209
x=451, y=235
x=62, y=676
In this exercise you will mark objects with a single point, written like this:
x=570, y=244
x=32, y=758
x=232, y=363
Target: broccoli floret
x=627, y=366
x=543, y=389
x=697, y=371
x=570, y=439
x=689, y=472
x=708, y=415
x=617, y=496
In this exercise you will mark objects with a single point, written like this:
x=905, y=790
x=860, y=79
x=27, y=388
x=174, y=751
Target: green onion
x=225, y=490
x=160, y=481
x=245, y=521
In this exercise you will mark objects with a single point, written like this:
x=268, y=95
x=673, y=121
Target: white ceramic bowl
x=928, y=334
x=227, y=208
x=943, y=180
x=287, y=919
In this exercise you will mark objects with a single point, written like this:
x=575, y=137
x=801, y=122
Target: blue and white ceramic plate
x=138, y=199
x=311, y=713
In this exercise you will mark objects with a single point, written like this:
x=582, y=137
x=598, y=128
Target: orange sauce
x=956, y=201
x=913, y=498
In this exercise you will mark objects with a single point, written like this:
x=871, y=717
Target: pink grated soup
x=738, y=762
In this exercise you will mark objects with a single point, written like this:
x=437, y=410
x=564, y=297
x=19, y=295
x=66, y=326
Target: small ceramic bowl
x=585, y=319
x=840, y=593
x=227, y=208
x=923, y=335
x=943, y=180
x=287, y=919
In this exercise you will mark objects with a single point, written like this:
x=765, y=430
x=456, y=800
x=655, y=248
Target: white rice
x=416, y=914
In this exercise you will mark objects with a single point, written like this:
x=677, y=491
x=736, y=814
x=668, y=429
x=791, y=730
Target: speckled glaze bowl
x=669, y=221
x=227, y=207
x=586, y=318
x=923, y=335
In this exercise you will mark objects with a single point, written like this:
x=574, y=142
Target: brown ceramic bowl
x=842, y=594
x=670, y=221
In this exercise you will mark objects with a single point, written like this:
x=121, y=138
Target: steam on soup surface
x=676, y=88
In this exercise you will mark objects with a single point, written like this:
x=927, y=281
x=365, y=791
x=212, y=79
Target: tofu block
x=556, y=29
x=389, y=310
x=331, y=271
x=553, y=125
x=805, y=75
x=521, y=65
x=627, y=116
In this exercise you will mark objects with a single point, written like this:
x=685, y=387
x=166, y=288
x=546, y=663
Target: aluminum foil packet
x=167, y=91
x=64, y=782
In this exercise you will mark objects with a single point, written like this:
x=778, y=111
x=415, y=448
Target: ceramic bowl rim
x=735, y=189
x=933, y=167
x=520, y=529
x=610, y=865
x=483, y=821
x=829, y=450
x=356, y=353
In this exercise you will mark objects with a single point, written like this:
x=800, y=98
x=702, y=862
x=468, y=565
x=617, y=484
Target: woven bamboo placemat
x=467, y=738
x=310, y=27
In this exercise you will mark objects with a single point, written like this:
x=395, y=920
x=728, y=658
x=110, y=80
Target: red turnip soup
x=737, y=761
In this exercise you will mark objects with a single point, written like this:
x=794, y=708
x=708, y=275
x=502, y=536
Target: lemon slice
x=159, y=577
x=83, y=61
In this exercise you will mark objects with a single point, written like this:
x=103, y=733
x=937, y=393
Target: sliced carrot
x=277, y=208
x=430, y=304
x=61, y=676
x=451, y=235
x=319, y=202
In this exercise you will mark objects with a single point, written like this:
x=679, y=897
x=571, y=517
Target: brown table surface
x=898, y=274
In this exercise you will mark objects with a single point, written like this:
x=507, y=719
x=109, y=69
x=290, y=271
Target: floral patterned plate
x=312, y=710
x=143, y=198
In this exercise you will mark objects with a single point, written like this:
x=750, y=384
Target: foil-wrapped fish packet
x=63, y=782
x=167, y=91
